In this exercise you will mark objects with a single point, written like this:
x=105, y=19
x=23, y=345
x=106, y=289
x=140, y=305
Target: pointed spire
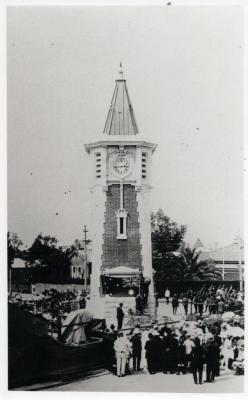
x=120, y=119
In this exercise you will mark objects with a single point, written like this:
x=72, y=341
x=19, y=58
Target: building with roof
x=20, y=276
x=228, y=259
x=81, y=265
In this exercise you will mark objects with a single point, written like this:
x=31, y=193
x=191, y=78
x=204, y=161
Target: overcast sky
x=184, y=69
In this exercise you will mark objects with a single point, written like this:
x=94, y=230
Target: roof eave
x=121, y=142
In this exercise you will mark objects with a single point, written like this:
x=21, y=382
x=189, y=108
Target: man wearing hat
x=170, y=348
x=156, y=349
x=137, y=349
x=122, y=349
x=197, y=361
x=120, y=316
x=113, y=332
x=149, y=348
x=212, y=359
x=108, y=349
x=189, y=344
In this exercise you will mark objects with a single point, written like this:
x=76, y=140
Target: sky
x=184, y=71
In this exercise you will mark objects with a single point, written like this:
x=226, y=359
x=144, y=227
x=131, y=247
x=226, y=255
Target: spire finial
x=121, y=71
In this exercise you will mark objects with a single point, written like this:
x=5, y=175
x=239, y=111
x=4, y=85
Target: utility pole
x=223, y=263
x=85, y=231
x=239, y=245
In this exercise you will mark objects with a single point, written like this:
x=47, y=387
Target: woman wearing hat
x=238, y=364
x=227, y=351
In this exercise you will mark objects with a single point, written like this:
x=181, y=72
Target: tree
x=195, y=269
x=57, y=304
x=48, y=259
x=73, y=250
x=171, y=259
x=13, y=243
x=167, y=236
x=167, y=240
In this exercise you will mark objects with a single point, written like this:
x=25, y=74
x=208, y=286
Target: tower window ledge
x=122, y=237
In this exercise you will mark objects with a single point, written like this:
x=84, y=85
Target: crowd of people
x=212, y=301
x=211, y=335
x=71, y=299
x=178, y=348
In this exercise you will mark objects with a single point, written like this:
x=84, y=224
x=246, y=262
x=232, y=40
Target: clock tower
x=120, y=221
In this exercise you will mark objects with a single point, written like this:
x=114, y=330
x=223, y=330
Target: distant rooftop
x=198, y=244
x=230, y=253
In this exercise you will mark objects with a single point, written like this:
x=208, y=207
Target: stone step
x=117, y=304
x=120, y=299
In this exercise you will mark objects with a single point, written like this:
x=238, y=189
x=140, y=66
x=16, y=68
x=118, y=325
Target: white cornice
x=120, y=140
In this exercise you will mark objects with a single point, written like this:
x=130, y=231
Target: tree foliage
x=48, y=259
x=171, y=259
x=195, y=269
x=57, y=304
x=167, y=240
x=167, y=236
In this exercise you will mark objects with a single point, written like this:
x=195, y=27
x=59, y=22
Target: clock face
x=121, y=165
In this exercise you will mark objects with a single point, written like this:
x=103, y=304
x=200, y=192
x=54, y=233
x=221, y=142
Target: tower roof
x=120, y=119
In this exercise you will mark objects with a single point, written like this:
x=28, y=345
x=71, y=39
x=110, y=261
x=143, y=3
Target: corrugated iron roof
x=227, y=253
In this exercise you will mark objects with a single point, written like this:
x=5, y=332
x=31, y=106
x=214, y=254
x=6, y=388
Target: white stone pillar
x=143, y=199
x=95, y=304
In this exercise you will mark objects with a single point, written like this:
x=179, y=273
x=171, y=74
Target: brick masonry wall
x=126, y=252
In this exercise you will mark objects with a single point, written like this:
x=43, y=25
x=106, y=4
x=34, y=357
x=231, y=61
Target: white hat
x=155, y=333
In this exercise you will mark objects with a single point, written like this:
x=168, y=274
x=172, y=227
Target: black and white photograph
x=125, y=198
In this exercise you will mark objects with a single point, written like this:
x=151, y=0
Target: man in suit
x=181, y=357
x=120, y=316
x=122, y=349
x=197, y=361
x=108, y=348
x=212, y=359
x=137, y=349
x=169, y=352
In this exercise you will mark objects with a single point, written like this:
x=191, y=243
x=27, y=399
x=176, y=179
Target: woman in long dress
x=227, y=351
